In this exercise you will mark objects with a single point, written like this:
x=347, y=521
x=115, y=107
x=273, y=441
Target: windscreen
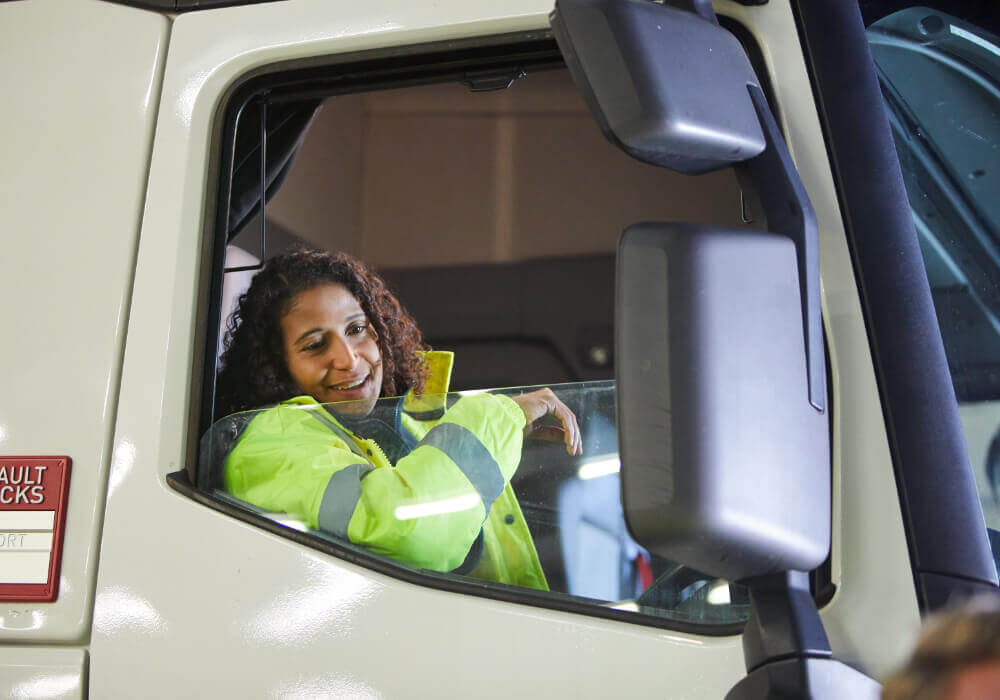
x=940, y=78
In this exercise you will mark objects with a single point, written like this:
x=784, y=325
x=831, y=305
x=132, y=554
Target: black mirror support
x=786, y=649
x=789, y=212
x=784, y=621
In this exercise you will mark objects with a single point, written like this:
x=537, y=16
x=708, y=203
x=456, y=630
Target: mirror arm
x=786, y=649
x=789, y=212
x=784, y=622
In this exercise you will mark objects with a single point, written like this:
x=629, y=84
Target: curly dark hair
x=254, y=372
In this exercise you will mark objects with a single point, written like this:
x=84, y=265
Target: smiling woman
x=330, y=348
x=313, y=345
x=291, y=327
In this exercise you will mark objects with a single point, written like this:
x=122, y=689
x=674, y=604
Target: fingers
x=544, y=401
x=548, y=433
x=574, y=439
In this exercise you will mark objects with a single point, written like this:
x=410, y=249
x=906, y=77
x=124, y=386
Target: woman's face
x=331, y=349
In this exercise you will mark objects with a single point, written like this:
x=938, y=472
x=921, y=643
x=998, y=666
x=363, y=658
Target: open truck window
x=482, y=191
x=443, y=509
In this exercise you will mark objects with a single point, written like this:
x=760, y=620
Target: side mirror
x=725, y=464
x=672, y=93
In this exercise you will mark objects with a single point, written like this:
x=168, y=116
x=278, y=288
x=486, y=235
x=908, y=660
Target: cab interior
x=492, y=207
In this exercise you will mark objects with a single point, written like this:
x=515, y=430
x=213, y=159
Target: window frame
x=368, y=71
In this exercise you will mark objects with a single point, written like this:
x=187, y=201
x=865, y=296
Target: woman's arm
x=426, y=511
x=429, y=508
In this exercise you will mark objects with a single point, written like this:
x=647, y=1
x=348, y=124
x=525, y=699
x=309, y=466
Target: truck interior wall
x=493, y=215
x=436, y=175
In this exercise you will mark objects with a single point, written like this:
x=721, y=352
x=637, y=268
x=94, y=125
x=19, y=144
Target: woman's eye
x=357, y=329
x=313, y=345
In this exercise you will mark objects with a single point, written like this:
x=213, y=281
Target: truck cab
x=159, y=151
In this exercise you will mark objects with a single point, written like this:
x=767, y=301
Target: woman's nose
x=344, y=357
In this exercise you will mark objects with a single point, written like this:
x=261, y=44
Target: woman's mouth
x=351, y=385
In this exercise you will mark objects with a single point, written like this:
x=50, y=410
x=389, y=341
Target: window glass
x=940, y=77
x=454, y=483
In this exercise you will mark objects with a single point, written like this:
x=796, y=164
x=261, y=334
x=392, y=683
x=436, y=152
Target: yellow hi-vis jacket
x=428, y=509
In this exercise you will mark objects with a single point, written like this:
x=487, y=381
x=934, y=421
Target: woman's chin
x=356, y=401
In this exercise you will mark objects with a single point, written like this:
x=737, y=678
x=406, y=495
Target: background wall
x=437, y=175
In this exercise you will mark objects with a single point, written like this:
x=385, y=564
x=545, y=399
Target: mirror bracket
x=784, y=621
x=789, y=212
x=786, y=649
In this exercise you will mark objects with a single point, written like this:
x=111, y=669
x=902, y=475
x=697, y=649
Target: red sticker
x=33, y=496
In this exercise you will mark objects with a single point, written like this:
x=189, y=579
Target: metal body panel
x=255, y=615
x=43, y=672
x=76, y=147
x=874, y=612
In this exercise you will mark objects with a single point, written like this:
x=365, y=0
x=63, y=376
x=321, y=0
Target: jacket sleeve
x=283, y=462
x=426, y=511
x=429, y=509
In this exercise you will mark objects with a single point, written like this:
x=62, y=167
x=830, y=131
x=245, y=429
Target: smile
x=349, y=386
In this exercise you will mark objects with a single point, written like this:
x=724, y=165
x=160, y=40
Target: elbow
x=440, y=546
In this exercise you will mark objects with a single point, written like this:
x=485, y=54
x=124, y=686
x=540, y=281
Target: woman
x=423, y=485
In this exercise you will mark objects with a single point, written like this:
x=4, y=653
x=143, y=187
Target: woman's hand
x=542, y=403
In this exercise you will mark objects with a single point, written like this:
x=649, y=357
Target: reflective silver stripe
x=340, y=499
x=340, y=432
x=471, y=456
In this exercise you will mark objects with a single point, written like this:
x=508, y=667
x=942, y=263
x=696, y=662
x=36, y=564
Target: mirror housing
x=672, y=93
x=725, y=463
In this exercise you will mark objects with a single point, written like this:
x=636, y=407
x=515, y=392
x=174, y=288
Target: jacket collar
x=432, y=398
